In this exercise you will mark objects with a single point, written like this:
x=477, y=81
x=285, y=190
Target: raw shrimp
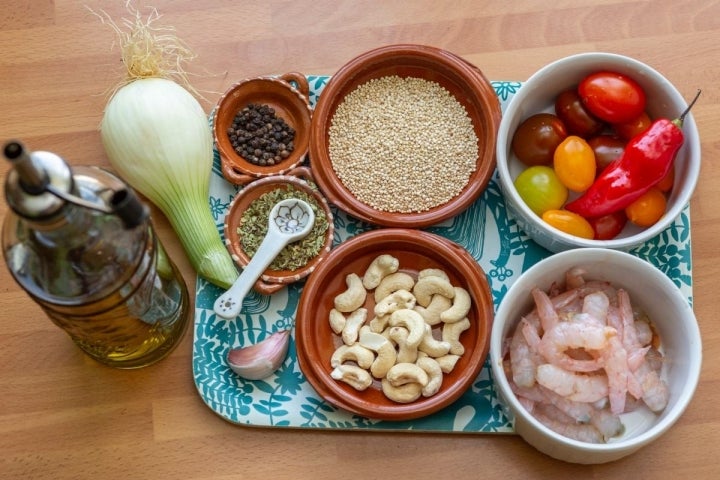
x=579, y=432
x=575, y=335
x=596, y=305
x=523, y=358
x=620, y=379
x=574, y=278
x=577, y=387
x=545, y=309
x=655, y=391
x=633, y=347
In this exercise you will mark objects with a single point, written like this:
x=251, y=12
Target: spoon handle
x=228, y=304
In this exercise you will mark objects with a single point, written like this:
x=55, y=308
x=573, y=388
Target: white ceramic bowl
x=671, y=315
x=538, y=95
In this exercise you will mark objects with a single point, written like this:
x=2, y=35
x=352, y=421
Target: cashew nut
x=435, y=375
x=433, y=346
x=378, y=323
x=428, y=286
x=352, y=298
x=337, y=321
x=451, y=333
x=354, y=321
x=460, y=307
x=406, y=353
x=404, y=394
x=356, y=377
x=395, y=301
x=385, y=350
x=392, y=283
x=447, y=362
x=356, y=353
x=431, y=313
x=404, y=373
x=432, y=272
x=411, y=320
x=382, y=266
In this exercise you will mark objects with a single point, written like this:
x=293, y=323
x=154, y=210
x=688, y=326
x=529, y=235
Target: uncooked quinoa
x=402, y=144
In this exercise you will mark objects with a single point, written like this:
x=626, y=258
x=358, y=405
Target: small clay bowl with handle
x=288, y=95
x=272, y=280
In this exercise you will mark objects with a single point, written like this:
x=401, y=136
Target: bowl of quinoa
x=404, y=136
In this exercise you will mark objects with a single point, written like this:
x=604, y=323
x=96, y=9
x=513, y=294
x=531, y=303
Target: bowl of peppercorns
x=261, y=127
x=404, y=136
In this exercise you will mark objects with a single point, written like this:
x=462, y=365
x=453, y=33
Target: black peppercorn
x=259, y=136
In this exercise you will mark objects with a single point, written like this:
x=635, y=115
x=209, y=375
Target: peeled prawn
x=574, y=335
x=523, y=358
x=545, y=309
x=574, y=386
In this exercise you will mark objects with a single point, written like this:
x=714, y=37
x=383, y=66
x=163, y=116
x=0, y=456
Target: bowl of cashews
x=395, y=324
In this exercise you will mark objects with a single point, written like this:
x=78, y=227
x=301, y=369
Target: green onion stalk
x=158, y=139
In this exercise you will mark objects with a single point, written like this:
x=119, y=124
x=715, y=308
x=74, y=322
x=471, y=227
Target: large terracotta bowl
x=464, y=81
x=273, y=280
x=415, y=250
x=288, y=95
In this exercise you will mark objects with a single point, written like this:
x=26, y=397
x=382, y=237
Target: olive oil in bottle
x=82, y=245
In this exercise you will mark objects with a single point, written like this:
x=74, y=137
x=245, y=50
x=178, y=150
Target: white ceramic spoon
x=290, y=220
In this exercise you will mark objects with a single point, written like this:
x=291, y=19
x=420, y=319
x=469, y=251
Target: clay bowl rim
x=453, y=73
x=315, y=341
x=290, y=102
x=271, y=280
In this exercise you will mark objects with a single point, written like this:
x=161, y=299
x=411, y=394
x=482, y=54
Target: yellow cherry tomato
x=574, y=163
x=647, y=209
x=569, y=222
x=667, y=182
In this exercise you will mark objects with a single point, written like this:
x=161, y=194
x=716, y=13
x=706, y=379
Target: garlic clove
x=260, y=360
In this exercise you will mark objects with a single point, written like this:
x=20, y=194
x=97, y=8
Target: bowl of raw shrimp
x=595, y=353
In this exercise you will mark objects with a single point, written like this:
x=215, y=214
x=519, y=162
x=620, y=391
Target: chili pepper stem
x=679, y=121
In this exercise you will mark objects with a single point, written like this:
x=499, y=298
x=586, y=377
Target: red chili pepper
x=645, y=161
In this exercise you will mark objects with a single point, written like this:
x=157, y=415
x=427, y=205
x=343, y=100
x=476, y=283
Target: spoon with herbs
x=290, y=220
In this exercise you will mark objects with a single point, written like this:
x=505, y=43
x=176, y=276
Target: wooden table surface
x=64, y=416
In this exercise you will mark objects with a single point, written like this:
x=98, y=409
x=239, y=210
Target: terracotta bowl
x=415, y=250
x=273, y=280
x=464, y=81
x=288, y=95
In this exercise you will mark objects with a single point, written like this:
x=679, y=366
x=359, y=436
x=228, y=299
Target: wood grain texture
x=64, y=416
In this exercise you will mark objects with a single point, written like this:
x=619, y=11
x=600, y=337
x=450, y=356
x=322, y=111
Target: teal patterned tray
x=287, y=399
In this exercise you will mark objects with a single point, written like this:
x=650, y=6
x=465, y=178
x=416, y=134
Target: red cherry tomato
x=612, y=97
x=634, y=127
x=608, y=226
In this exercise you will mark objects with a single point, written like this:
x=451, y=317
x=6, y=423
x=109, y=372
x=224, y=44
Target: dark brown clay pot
x=290, y=103
x=273, y=280
x=415, y=250
x=462, y=79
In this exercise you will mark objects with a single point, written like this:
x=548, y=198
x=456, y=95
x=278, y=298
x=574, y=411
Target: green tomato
x=541, y=189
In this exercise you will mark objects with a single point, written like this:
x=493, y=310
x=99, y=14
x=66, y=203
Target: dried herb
x=254, y=225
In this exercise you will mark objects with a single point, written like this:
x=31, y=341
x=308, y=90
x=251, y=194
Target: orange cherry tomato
x=634, y=127
x=667, y=182
x=647, y=209
x=574, y=163
x=569, y=222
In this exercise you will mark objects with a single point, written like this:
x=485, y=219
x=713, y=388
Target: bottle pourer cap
x=41, y=183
